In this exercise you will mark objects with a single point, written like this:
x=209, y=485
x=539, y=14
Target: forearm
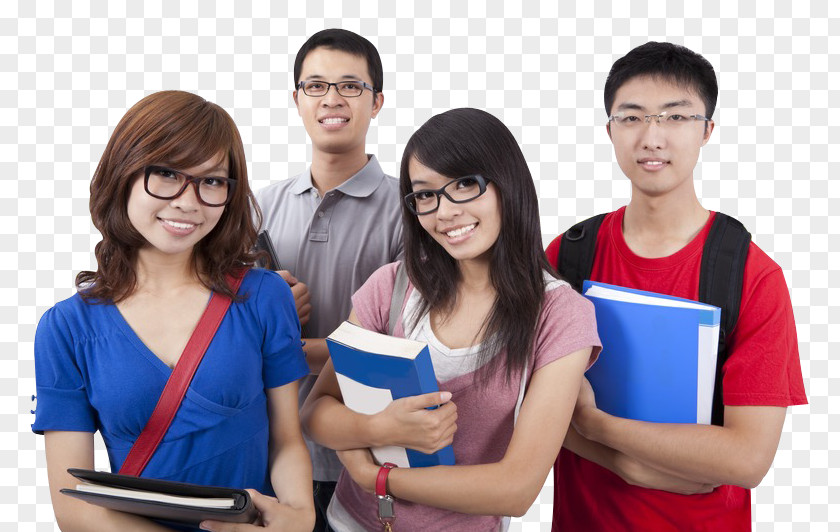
x=83, y=517
x=487, y=489
x=629, y=469
x=75, y=449
x=291, y=476
x=702, y=453
x=331, y=424
x=317, y=354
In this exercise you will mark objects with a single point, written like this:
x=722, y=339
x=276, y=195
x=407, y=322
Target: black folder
x=241, y=509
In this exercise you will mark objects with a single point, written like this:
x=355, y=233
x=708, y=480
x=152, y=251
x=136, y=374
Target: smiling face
x=467, y=231
x=175, y=226
x=658, y=160
x=336, y=124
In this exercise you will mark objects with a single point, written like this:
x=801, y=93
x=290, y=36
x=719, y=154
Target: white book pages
x=198, y=502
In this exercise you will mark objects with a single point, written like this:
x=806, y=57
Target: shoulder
x=566, y=324
x=387, y=190
x=759, y=264
x=554, y=246
x=565, y=309
x=264, y=284
x=561, y=297
x=274, y=192
x=382, y=280
x=73, y=317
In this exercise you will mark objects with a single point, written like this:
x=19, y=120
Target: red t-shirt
x=762, y=369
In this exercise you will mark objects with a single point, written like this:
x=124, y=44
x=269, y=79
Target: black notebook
x=162, y=499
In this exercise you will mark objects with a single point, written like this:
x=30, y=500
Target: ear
x=707, y=132
x=609, y=131
x=378, y=102
x=295, y=98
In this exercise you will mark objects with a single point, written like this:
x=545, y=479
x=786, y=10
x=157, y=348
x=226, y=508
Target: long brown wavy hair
x=182, y=130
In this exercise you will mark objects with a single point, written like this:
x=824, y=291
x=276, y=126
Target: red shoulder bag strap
x=176, y=387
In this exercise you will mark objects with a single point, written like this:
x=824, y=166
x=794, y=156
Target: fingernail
x=445, y=396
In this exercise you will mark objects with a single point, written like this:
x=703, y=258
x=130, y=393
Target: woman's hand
x=408, y=422
x=273, y=516
x=361, y=467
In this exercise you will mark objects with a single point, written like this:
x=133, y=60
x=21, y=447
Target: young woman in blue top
x=171, y=199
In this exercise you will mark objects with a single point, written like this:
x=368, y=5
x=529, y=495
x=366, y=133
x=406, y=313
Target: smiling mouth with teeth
x=461, y=231
x=334, y=120
x=178, y=225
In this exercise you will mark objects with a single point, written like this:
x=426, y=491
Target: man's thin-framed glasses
x=348, y=89
x=460, y=190
x=165, y=183
x=636, y=119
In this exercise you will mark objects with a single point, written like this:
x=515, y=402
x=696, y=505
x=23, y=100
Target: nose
x=188, y=200
x=332, y=98
x=653, y=136
x=447, y=209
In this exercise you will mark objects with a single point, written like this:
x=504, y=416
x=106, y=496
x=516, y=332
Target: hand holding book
x=425, y=423
x=393, y=379
x=273, y=515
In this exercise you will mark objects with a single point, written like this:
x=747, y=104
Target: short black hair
x=346, y=41
x=667, y=61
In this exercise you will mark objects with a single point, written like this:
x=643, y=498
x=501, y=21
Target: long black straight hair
x=467, y=141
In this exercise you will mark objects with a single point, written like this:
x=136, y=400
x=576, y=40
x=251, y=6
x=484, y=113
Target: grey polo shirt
x=333, y=244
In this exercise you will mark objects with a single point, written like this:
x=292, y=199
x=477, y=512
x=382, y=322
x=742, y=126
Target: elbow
x=519, y=510
x=305, y=418
x=519, y=496
x=751, y=477
x=518, y=505
x=69, y=521
x=751, y=472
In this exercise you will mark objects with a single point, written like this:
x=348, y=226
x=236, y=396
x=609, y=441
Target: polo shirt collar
x=361, y=185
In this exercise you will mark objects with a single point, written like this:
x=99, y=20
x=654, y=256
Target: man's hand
x=584, y=408
x=273, y=516
x=301, y=294
x=636, y=473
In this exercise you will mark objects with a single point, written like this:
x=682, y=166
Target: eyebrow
x=209, y=171
x=636, y=107
x=353, y=77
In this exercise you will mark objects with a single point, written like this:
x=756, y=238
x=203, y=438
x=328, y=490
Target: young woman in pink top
x=509, y=342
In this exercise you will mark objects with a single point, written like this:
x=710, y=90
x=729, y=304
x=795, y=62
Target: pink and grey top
x=485, y=411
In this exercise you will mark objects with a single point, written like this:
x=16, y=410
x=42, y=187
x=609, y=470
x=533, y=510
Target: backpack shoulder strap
x=577, y=251
x=397, y=297
x=721, y=283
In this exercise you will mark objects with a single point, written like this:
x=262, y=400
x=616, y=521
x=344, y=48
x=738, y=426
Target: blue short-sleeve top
x=93, y=373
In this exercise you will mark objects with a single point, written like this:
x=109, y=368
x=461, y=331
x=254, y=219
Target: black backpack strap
x=721, y=283
x=577, y=251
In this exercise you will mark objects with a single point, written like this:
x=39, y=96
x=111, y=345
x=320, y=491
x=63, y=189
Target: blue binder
x=659, y=355
x=374, y=369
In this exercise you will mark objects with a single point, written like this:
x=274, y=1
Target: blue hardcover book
x=374, y=369
x=659, y=356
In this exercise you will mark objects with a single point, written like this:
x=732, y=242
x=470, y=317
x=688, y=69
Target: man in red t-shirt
x=623, y=474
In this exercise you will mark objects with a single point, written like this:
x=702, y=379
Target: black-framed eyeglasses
x=166, y=184
x=348, y=89
x=460, y=190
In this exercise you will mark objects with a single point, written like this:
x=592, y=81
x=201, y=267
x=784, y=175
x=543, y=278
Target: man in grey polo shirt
x=339, y=221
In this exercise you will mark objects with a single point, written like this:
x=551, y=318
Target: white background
x=69, y=71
